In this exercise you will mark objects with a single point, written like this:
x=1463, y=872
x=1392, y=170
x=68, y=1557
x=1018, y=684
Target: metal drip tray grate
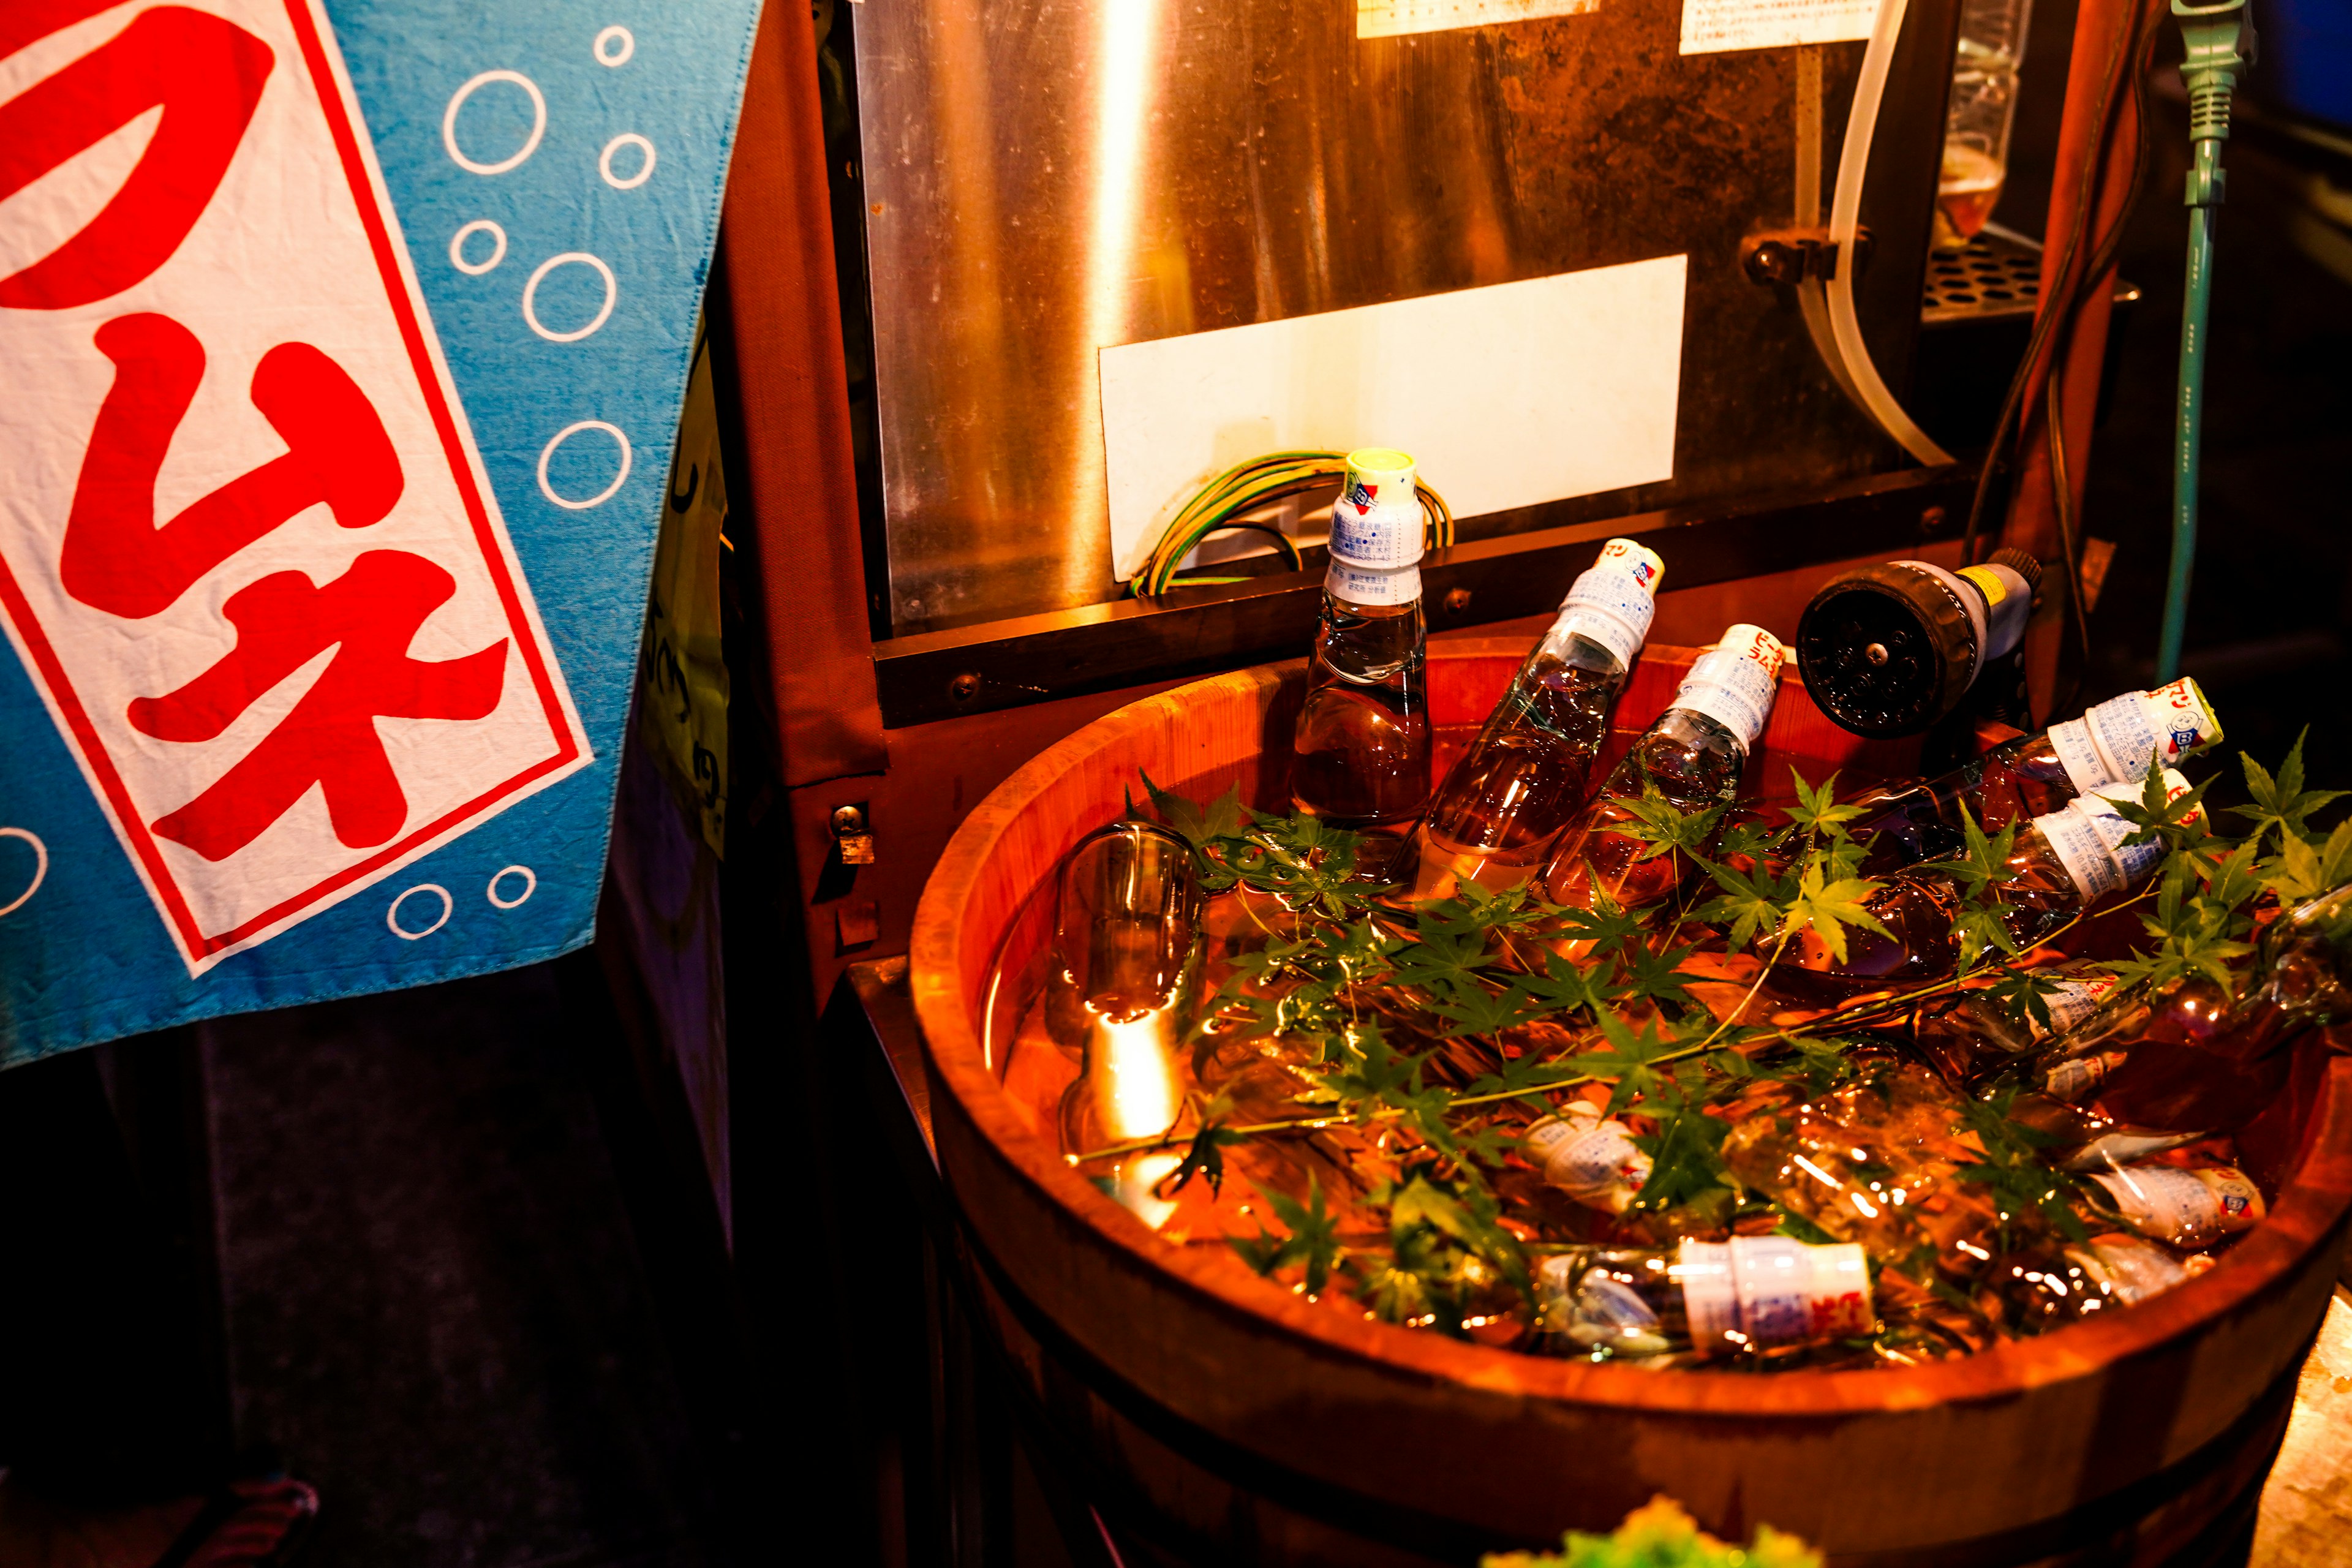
x=1990, y=279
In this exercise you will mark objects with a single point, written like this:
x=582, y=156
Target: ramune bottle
x=2062, y=863
x=1749, y=1293
x=1495, y=816
x=2035, y=775
x=1692, y=756
x=1359, y=753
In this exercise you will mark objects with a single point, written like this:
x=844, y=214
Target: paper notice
x=1394, y=18
x=1713, y=26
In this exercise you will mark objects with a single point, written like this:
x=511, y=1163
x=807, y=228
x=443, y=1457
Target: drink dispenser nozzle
x=1888, y=649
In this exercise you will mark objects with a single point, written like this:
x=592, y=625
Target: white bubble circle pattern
x=40, y=869
x=530, y=886
x=530, y=292
x=392, y=915
x=458, y=247
x=644, y=170
x=615, y=36
x=601, y=496
x=457, y=102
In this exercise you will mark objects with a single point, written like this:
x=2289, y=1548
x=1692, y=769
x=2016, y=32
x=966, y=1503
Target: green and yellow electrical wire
x=1217, y=507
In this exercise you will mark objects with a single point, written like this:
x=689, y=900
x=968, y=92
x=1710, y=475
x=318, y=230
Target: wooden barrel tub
x=1214, y=1416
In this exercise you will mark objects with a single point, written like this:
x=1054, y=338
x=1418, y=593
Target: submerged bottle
x=1589, y=1155
x=1966, y=1035
x=1749, y=1293
x=2035, y=775
x=1359, y=753
x=1692, y=757
x=2188, y=1207
x=1506, y=800
x=2062, y=864
x=1121, y=994
x=2189, y=1054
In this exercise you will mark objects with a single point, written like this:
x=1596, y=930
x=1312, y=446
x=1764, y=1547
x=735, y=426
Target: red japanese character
x=369, y=615
x=115, y=558
x=207, y=74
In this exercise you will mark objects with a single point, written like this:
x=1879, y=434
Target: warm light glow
x=1130, y=1060
x=1817, y=1173
x=1135, y=1181
x=1130, y=32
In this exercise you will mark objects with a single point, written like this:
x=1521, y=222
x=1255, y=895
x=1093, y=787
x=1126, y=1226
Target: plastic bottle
x=1359, y=753
x=2062, y=863
x=1505, y=801
x=1713, y=1298
x=1693, y=756
x=2035, y=775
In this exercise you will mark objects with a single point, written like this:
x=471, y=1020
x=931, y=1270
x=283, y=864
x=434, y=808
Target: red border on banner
x=101, y=766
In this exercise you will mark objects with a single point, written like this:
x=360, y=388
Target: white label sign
x=1394, y=18
x=1713, y=26
x=1507, y=396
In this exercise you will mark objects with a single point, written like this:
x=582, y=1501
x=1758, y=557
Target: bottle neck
x=1333, y=604
x=1564, y=644
x=1701, y=733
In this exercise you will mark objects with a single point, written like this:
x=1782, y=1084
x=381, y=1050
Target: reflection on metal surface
x=1044, y=181
x=1128, y=42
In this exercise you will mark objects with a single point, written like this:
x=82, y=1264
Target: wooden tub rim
x=2311, y=1201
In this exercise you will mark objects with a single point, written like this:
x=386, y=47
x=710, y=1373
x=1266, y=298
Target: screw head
x=964, y=687
x=848, y=819
x=1458, y=600
x=1931, y=521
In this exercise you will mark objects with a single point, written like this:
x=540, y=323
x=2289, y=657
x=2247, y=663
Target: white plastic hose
x=1859, y=375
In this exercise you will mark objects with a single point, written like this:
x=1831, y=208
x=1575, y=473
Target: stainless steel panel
x=1044, y=178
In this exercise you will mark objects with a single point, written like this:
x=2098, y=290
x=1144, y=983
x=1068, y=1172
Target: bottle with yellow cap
x=1692, y=756
x=1505, y=802
x=1359, y=753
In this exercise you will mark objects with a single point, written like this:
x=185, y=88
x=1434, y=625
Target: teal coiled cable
x=2209, y=70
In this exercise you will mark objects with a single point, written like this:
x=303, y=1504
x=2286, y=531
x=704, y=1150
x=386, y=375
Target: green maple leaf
x=1662, y=827
x=2303, y=869
x=1561, y=986
x=1984, y=862
x=2180, y=826
x=1751, y=841
x=2021, y=1183
x=1442, y=963
x=2022, y=991
x=1606, y=925
x=1313, y=1241
x=2281, y=803
x=1747, y=904
x=1817, y=813
x=1629, y=1060
x=1466, y=1213
x=1473, y=1011
x=1828, y=907
x=1204, y=1157
x=1686, y=1154
x=1658, y=975
x=1368, y=1070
